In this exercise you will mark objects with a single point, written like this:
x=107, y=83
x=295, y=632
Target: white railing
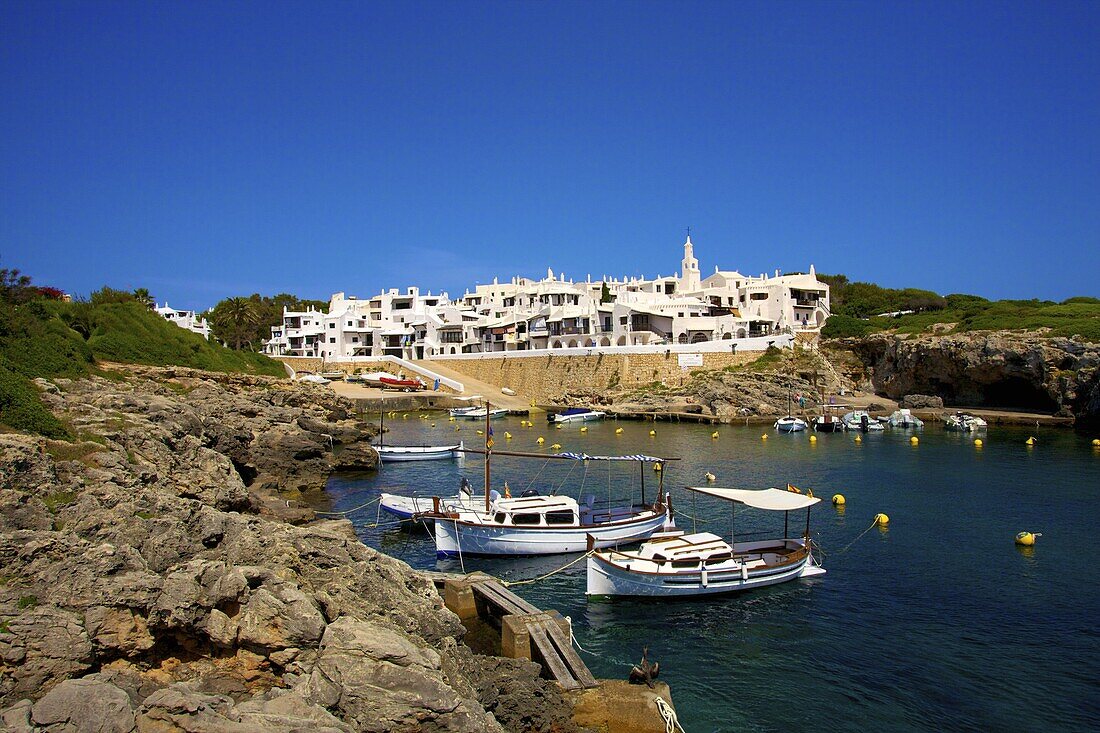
x=758, y=343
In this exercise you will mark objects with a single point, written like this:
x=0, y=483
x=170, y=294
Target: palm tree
x=234, y=319
x=142, y=296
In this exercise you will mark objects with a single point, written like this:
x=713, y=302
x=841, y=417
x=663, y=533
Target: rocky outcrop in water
x=1001, y=369
x=139, y=591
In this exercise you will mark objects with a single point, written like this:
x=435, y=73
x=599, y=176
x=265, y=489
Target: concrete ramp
x=477, y=387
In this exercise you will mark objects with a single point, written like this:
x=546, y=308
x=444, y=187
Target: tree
x=142, y=296
x=15, y=287
x=235, y=319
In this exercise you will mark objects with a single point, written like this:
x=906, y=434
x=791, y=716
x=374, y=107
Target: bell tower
x=689, y=275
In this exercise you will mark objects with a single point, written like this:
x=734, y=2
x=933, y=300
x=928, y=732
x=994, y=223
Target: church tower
x=689, y=275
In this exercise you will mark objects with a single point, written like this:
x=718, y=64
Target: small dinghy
x=576, y=414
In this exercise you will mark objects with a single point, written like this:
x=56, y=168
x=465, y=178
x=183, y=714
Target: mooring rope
x=672, y=723
x=510, y=583
x=349, y=511
x=873, y=523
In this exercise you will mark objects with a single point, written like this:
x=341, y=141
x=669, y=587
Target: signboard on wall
x=690, y=360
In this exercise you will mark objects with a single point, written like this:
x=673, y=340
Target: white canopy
x=772, y=499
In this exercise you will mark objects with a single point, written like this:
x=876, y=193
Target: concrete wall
x=547, y=378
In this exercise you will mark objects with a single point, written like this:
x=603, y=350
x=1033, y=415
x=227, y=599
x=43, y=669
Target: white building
x=552, y=313
x=185, y=319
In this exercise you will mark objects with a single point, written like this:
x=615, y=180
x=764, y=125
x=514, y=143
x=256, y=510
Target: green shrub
x=841, y=326
x=21, y=409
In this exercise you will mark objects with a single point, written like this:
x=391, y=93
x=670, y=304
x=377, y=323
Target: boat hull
x=609, y=579
x=402, y=453
x=790, y=425
x=407, y=507
x=453, y=535
x=585, y=417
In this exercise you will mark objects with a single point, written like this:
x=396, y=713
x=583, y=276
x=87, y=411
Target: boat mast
x=488, y=454
x=382, y=423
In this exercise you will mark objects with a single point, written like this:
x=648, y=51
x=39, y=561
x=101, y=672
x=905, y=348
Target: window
x=563, y=517
x=525, y=519
x=332, y=325
x=758, y=296
x=355, y=339
x=349, y=324
x=332, y=339
x=500, y=517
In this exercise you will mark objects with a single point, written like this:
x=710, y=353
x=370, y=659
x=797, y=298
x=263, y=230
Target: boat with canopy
x=533, y=524
x=675, y=564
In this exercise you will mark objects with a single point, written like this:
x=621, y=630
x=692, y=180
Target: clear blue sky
x=206, y=149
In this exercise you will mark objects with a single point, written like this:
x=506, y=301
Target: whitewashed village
x=725, y=311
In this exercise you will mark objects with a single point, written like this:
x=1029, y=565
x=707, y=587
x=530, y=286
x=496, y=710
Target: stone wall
x=545, y=379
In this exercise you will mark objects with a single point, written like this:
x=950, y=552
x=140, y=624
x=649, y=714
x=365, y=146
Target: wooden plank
x=551, y=658
x=506, y=598
x=565, y=647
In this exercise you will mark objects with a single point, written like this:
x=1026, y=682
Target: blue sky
x=207, y=149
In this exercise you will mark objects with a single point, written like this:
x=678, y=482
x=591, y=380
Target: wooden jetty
x=526, y=632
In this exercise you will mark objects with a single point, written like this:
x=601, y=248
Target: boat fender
x=838, y=500
x=882, y=520
x=703, y=576
x=744, y=573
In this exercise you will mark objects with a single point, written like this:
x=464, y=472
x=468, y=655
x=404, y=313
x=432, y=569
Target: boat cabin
x=536, y=511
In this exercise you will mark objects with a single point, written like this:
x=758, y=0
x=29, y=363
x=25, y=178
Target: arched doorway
x=699, y=338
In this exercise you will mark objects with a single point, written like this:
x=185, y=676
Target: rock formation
x=998, y=369
x=148, y=581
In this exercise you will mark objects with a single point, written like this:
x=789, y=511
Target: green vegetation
x=42, y=336
x=247, y=322
x=27, y=602
x=58, y=499
x=4, y=627
x=856, y=306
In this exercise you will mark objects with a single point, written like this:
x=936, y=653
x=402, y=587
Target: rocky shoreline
x=160, y=575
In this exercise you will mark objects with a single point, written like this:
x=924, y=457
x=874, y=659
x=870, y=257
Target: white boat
x=333, y=376
x=576, y=414
x=407, y=507
x=961, y=422
x=543, y=525
x=862, y=420
x=479, y=413
x=399, y=453
x=904, y=418
x=313, y=379
x=790, y=424
x=677, y=565
x=461, y=411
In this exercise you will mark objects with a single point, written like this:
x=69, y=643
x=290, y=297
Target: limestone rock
x=87, y=705
x=921, y=402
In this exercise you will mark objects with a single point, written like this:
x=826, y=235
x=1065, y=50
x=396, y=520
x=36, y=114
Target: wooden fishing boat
x=407, y=507
x=401, y=453
x=480, y=413
x=543, y=525
x=702, y=563
x=790, y=423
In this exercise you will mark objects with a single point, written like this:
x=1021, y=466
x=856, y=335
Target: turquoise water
x=937, y=623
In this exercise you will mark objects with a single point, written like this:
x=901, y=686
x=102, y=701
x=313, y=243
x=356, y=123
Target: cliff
x=1002, y=369
x=149, y=580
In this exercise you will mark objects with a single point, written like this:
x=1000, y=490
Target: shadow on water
x=937, y=622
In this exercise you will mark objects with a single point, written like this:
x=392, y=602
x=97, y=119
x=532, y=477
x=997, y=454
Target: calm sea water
x=937, y=623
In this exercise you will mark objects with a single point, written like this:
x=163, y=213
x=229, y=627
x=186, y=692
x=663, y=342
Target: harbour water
x=938, y=622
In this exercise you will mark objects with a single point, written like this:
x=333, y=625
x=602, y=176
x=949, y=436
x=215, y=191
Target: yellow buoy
x=652, y=433
x=882, y=520
x=1027, y=539
x=558, y=426
x=451, y=418
x=914, y=440
x=480, y=432
x=1030, y=441
x=657, y=467
x=541, y=440
x=714, y=435
x=507, y=436
x=618, y=431
x=764, y=436
x=1096, y=442
x=433, y=424
x=813, y=438
x=978, y=442
x=405, y=416
x=709, y=476
x=584, y=430
x=838, y=499
x=859, y=439
x=555, y=446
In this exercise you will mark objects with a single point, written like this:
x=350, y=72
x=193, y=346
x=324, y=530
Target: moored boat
x=576, y=414
x=904, y=418
x=827, y=421
x=479, y=413
x=861, y=420
x=401, y=453
x=676, y=565
x=790, y=424
x=964, y=423
x=406, y=507
x=404, y=385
